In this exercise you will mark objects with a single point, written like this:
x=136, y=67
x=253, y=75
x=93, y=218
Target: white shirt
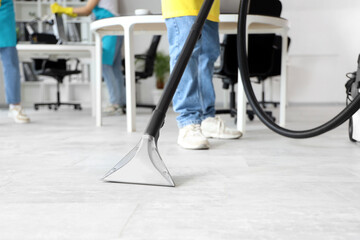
x=110, y=5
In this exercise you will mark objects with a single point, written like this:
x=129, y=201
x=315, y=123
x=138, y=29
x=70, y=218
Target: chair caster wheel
x=251, y=117
x=36, y=108
x=49, y=107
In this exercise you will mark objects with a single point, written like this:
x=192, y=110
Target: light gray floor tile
x=260, y=187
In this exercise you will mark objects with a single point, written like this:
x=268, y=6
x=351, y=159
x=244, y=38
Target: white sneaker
x=214, y=127
x=16, y=112
x=190, y=137
x=113, y=108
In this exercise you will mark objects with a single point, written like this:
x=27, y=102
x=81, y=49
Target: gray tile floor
x=261, y=187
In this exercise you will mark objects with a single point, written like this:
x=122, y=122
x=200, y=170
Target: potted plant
x=161, y=69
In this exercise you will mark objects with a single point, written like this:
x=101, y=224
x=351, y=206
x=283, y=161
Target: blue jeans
x=114, y=77
x=194, y=98
x=10, y=63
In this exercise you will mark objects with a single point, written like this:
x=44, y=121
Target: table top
x=28, y=51
x=25, y=46
x=156, y=23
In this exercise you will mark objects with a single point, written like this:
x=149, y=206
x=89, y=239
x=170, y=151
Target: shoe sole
x=209, y=135
x=199, y=147
x=21, y=121
x=115, y=113
x=17, y=120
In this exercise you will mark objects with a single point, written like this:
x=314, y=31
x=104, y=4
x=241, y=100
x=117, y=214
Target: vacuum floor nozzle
x=142, y=165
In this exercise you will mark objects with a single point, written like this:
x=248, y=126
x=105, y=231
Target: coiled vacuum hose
x=244, y=70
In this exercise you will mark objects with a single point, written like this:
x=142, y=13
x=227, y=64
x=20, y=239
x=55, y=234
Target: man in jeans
x=194, y=99
x=10, y=61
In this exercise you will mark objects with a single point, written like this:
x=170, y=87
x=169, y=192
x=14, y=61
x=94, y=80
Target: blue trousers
x=10, y=63
x=114, y=77
x=194, y=98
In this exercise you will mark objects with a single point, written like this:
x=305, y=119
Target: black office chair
x=271, y=8
x=261, y=47
x=276, y=63
x=261, y=55
x=261, y=59
x=148, y=59
x=228, y=73
x=58, y=70
x=264, y=56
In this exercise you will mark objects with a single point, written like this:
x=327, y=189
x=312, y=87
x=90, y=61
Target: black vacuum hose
x=244, y=70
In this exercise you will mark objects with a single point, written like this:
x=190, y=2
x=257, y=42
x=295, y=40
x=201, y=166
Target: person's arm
x=74, y=12
x=86, y=10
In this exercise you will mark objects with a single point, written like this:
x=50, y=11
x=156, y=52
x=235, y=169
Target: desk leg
x=241, y=106
x=92, y=72
x=283, y=79
x=130, y=79
x=98, y=77
x=241, y=99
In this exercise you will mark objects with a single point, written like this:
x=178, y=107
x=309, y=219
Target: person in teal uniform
x=112, y=62
x=10, y=61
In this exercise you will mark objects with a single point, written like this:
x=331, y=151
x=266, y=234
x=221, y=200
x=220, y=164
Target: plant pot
x=156, y=93
x=160, y=83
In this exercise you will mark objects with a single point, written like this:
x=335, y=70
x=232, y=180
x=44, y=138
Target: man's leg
x=210, y=51
x=186, y=100
x=211, y=126
x=120, y=80
x=10, y=61
x=11, y=70
x=112, y=81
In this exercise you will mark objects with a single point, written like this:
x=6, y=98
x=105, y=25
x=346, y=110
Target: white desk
x=155, y=24
x=85, y=51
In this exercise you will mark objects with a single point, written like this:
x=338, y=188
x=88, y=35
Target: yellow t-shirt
x=180, y=8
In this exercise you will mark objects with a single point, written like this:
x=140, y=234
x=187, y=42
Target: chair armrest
x=43, y=65
x=218, y=69
x=141, y=56
x=77, y=62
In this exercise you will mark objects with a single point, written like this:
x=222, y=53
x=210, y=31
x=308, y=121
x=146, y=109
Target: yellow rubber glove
x=56, y=8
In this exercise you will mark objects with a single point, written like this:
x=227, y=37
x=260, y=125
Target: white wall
x=127, y=7
x=325, y=45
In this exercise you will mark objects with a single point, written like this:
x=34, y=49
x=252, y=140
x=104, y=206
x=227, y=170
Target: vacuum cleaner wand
x=143, y=164
x=160, y=111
